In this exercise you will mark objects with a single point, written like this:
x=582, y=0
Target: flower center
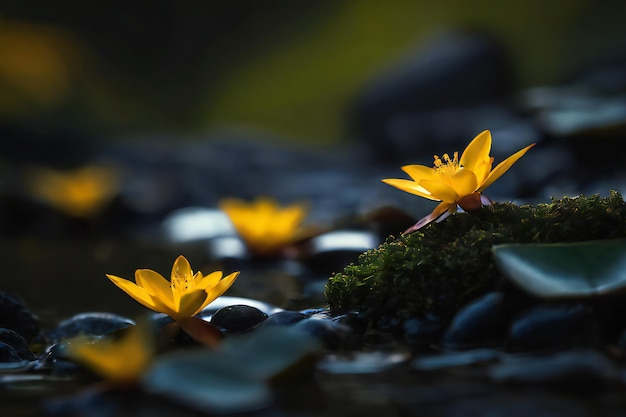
x=446, y=165
x=180, y=282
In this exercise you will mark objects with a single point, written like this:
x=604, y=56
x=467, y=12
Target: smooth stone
x=362, y=362
x=551, y=325
x=192, y=224
x=16, y=316
x=332, y=251
x=481, y=323
x=333, y=335
x=8, y=353
x=226, y=301
x=422, y=331
x=584, y=368
x=17, y=342
x=89, y=324
x=284, y=318
x=237, y=318
x=455, y=359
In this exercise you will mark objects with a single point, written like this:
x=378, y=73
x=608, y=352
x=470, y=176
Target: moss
x=444, y=265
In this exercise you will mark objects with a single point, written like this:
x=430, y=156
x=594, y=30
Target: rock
x=483, y=322
x=237, y=318
x=334, y=335
x=89, y=324
x=17, y=342
x=584, y=369
x=16, y=316
x=331, y=252
x=8, y=353
x=551, y=326
x=455, y=359
x=284, y=318
x=421, y=332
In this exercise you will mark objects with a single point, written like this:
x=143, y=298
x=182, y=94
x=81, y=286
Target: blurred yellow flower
x=456, y=182
x=264, y=226
x=79, y=193
x=183, y=296
x=122, y=359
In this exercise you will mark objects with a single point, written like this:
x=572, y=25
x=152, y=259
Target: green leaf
x=565, y=270
x=234, y=377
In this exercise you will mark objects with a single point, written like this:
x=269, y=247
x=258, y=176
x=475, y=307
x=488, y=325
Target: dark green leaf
x=565, y=270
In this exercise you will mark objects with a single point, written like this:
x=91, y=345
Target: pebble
x=89, y=324
x=237, y=318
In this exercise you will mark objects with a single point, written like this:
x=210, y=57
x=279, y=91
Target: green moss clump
x=444, y=265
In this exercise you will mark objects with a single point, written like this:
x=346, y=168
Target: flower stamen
x=447, y=166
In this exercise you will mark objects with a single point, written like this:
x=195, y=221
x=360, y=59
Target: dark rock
x=17, y=342
x=583, y=369
x=8, y=353
x=16, y=316
x=455, y=359
x=331, y=252
x=238, y=318
x=334, y=335
x=421, y=332
x=89, y=324
x=551, y=326
x=481, y=323
x=284, y=318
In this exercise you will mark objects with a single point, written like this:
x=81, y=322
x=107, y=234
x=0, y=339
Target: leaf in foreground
x=233, y=377
x=565, y=270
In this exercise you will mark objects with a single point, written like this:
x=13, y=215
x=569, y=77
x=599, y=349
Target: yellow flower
x=122, y=359
x=185, y=295
x=456, y=182
x=264, y=226
x=79, y=193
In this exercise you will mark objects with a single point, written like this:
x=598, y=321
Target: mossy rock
x=439, y=268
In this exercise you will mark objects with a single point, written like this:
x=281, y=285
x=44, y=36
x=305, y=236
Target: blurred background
x=114, y=115
x=104, y=71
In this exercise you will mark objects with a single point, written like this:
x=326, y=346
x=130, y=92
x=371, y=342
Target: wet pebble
x=583, y=368
x=550, y=326
x=17, y=342
x=89, y=324
x=237, y=318
x=227, y=301
x=284, y=318
x=16, y=316
x=455, y=359
x=422, y=331
x=481, y=323
x=334, y=335
x=331, y=252
x=8, y=353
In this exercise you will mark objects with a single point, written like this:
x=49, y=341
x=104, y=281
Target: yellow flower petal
x=122, y=359
x=420, y=172
x=220, y=288
x=183, y=296
x=264, y=226
x=138, y=293
x=210, y=280
x=190, y=303
x=440, y=190
x=181, y=268
x=503, y=166
x=464, y=182
x=477, y=151
x=154, y=283
x=410, y=187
